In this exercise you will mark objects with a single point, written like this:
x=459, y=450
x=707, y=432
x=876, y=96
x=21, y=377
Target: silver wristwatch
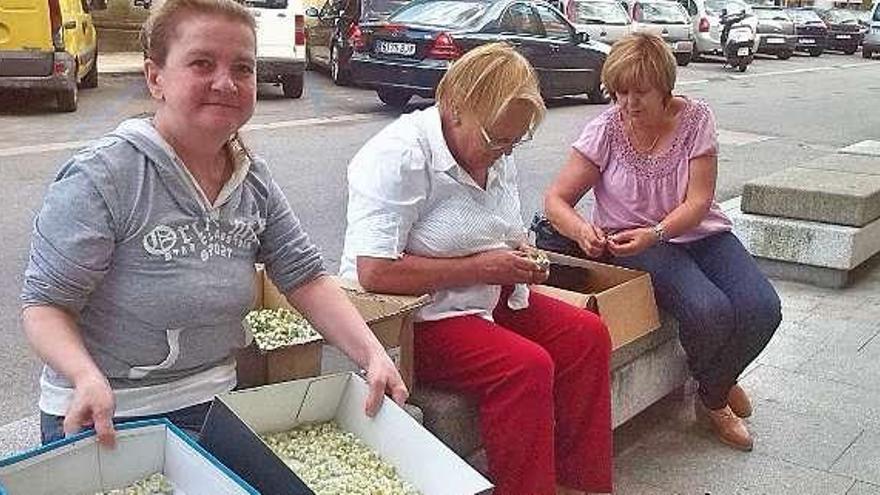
x=660, y=231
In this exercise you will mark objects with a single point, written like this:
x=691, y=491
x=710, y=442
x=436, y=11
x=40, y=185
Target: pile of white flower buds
x=332, y=461
x=540, y=259
x=154, y=484
x=274, y=328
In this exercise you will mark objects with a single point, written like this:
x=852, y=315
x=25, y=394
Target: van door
x=276, y=29
x=79, y=34
x=25, y=38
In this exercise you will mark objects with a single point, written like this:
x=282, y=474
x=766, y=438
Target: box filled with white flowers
x=312, y=436
x=286, y=347
x=150, y=457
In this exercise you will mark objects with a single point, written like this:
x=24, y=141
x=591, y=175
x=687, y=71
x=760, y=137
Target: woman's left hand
x=383, y=376
x=631, y=242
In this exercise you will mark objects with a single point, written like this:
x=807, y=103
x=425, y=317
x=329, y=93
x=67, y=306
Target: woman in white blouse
x=434, y=206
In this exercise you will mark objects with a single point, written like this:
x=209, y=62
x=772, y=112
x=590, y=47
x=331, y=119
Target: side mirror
x=69, y=25
x=311, y=12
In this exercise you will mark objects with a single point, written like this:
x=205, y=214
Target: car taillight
x=444, y=48
x=356, y=38
x=704, y=25
x=299, y=26
x=55, y=23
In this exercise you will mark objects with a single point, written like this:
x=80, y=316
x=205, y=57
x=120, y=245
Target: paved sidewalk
x=120, y=63
x=817, y=411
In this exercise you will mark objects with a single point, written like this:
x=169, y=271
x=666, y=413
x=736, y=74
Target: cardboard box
x=79, y=465
x=236, y=419
x=388, y=316
x=624, y=298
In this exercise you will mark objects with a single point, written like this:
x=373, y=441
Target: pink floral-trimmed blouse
x=639, y=190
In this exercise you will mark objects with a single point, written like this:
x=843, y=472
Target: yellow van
x=48, y=45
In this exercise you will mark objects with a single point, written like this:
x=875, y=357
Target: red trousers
x=542, y=380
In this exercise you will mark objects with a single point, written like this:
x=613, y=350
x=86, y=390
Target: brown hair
x=637, y=60
x=159, y=30
x=486, y=79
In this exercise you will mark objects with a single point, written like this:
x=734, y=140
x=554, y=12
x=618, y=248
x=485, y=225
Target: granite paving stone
x=862, y=459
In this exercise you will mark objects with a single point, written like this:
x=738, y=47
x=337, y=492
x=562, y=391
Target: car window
x=600, y=13
x=554, y=24
x=379, y=9
x=519, y=19
x=85, y=5
x=267, y=4
x=660, y=13
x=841, y=17
x=804, y=16
x=442, y=13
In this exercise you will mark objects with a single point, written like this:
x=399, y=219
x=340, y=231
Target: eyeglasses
x=495, y=145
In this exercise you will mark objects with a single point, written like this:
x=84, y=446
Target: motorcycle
x=737, y=40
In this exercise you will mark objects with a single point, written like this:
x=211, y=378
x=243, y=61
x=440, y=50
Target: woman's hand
x=631, y=242
x=382, y=376
x=592, y=240
x=92, y=405
x=508, y=267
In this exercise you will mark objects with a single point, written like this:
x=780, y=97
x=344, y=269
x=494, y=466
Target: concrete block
x=20, y=435
x=867, y=147
x=806, y=242
x=452, y=418
x=827, y=196
x=807, y=274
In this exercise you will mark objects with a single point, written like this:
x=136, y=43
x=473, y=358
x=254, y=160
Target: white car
x=705, y=16
x=604, y=20
x=668, y=20
x=281, y=43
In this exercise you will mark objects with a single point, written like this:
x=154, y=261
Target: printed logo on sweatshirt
x=204, y=238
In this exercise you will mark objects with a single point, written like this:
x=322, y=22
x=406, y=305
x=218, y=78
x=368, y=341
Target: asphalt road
x=776, y=115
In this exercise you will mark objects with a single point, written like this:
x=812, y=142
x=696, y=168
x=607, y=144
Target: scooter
x=737, y=41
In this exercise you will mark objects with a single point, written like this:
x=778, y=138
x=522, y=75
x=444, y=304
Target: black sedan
x=409, y=53
x=810, y=29
x=844, y=32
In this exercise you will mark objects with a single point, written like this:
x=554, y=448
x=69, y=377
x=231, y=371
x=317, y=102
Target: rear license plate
x=392, y=48
x=843, y=36
x=808, y=41
x=742, y=52
x=683, y=46
x=775, y=41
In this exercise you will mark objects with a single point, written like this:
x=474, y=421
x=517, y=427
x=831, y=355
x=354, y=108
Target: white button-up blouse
x=407, y=194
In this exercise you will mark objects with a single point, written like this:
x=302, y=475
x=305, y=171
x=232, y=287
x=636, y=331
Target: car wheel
x=292, y=85
x=599, y=95
x=91, y=78
x=742, y=67
x=849, y=51
x=815, y=53
x=682, y=59
x=866, y=53
x=339, y=75
x=695, y=54
x=784, y=55
x=68, y=100
x=396, y=98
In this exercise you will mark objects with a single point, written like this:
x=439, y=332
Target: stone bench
x=643, y=372
x=815, y=223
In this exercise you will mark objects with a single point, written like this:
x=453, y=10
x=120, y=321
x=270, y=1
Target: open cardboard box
x=624, y=298
x=388, y=316
x=78, y=465
x=237, y=418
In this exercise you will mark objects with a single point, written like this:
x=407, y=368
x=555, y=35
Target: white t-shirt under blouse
x=407, y=194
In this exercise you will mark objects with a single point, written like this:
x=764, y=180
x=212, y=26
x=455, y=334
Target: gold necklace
x=632, y=131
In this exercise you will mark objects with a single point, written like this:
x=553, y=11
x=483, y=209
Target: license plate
x=843, y=36
x=683, y=46
x=742, y=52
x=392, y=48
x=775, y=41
x=808, y=41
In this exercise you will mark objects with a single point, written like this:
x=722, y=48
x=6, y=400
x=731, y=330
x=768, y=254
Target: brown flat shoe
x=729, y=427
x=739, y=402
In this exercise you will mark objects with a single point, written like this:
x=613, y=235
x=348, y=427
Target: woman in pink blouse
x=651, y=161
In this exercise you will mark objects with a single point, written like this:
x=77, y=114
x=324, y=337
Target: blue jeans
x=726, y=308
x=189, y=419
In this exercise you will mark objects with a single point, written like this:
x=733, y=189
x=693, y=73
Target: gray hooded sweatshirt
x=158, y=279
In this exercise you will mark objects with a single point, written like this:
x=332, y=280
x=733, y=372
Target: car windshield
x=380, y=9
x=600, y=13
x=267, y=4
x=805, y=16
x=714, y=7
x=772, y=15
x=441, y=13
x=663, y=13
x=841, y=17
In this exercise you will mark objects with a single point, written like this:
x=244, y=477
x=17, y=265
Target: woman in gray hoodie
x=142, y=253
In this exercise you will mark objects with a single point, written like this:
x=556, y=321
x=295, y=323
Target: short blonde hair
x=486, y=79
x=639, y=60
x=160, y=28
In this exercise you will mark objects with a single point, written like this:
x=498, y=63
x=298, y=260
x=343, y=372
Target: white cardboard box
x=78, y=465
x=237, y=418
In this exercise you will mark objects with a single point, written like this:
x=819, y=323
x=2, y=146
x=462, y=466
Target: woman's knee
x=592, y=334
x=534, y=365
x=763, y=313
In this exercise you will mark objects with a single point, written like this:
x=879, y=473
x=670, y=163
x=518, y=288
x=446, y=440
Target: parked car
x=776, y=34
x=334, y=30
x=669, y=20
x=49, y=46
x=705, y=24
x=281, y=43
x=604, y=20
x=408, y=54
x=844, y=32
x=810, y=29
x=871, y=43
